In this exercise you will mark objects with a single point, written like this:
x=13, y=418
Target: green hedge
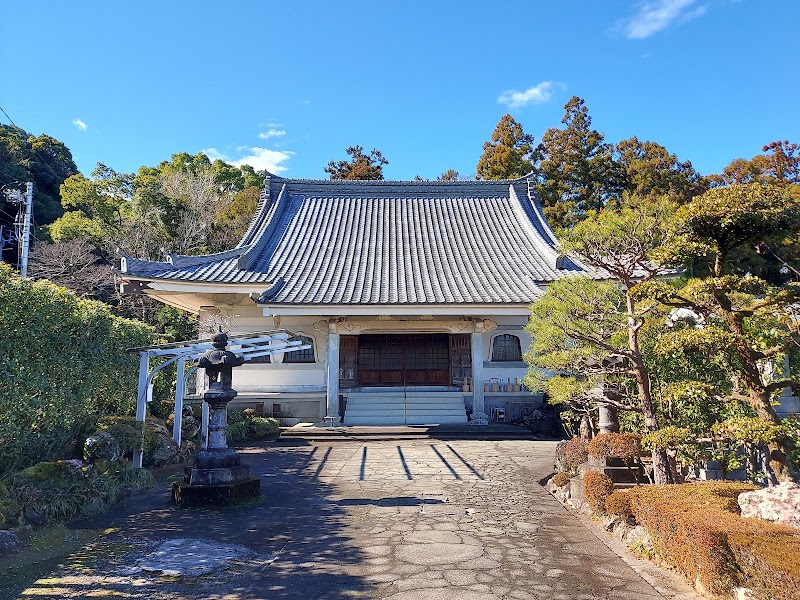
x=62, y=367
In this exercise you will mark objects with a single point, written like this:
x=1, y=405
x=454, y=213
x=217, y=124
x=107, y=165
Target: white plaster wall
x=289, y=377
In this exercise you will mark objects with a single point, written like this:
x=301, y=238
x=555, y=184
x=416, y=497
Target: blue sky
x=288, y=86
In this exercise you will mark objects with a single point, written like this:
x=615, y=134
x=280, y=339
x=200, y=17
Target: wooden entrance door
x=348, y=361
x=411, y=359
x=460, y=358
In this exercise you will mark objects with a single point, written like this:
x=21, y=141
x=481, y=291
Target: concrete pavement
x=420, y=519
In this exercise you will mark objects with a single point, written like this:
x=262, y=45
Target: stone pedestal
x=218, y=475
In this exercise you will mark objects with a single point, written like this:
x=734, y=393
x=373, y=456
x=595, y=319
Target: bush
x=697, y=529
x=618, y=504
x=245, y=426
x=571, y=454
x=65, y=489
x=561, y=479
x=627, y=446
x=64, y=365
x=597, y=487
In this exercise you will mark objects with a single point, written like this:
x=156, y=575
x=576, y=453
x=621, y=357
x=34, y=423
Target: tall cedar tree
x=360, y=166
x=509, y=154
x=648, y=169
x=577, y=172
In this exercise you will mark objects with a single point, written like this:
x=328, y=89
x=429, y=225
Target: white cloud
x=538, y=94
x=80, y=124
x=655, y=15
x=259, y=158
x=271, y=133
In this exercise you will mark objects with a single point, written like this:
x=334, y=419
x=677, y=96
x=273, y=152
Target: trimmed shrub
x=64, y=365
x=697, y=529
x=561, y=479
x=571, y=454
x=597, y=487
x=618, y=504
x=627, y=446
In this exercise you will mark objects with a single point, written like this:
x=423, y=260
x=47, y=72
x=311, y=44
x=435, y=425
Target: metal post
x=26, y=230
x=141, y=403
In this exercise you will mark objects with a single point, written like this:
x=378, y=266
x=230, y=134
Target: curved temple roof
x=385, y=242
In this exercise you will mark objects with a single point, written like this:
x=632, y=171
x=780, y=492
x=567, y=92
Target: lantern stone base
x=223, y=494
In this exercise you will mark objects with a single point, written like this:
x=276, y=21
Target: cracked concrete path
x=413, y=519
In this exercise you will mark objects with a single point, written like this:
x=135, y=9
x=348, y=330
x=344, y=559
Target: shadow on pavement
x=296, y=532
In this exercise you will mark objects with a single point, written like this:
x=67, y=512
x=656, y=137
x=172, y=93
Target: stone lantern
x=218, y=475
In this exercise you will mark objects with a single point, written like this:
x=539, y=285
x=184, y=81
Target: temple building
x=412, y=295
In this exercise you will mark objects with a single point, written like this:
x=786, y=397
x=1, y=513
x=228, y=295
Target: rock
x=9, y=542
x=34, y=517
x=610, y=523
x=780, y=503
x=101, y=446
x=636, y=535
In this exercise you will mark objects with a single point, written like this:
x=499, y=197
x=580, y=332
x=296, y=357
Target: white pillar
x=479, y=416
x=141, y=403
x=180, y=392
x=333, y=375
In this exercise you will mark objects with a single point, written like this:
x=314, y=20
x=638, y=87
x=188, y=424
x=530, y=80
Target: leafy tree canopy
x=41, y=159
x=360, y=166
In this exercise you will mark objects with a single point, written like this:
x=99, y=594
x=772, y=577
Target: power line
x=9, y=118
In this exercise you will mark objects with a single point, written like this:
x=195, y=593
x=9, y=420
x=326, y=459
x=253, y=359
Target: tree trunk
x=661, y=473
x=779, y=449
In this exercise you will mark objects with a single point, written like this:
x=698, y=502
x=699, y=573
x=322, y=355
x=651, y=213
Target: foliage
x=245, y=426
x=571, y=454
x=746, y=325
x=748, y=430
x=43, y=160
x=65, y=489
x=64, y=366
x=597, y=487
x=669, y=437
x=648, y=169
x=779, y=165
x=619, y=504
x=509, y=154
x=577, y=172
x=75, y=225
x=627, y=446
x=697, y=529
x=360, y=165
x=175, y=324
x=561, y=479
x=589, y=330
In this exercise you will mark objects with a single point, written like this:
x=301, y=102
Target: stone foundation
x=187, y=495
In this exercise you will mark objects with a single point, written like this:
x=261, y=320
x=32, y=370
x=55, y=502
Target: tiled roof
x=383, y=242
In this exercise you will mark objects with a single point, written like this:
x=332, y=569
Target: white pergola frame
x=248, y=346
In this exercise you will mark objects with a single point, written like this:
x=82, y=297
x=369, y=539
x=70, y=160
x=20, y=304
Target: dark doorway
x=409, y=359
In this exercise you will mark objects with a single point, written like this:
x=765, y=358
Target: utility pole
x=26, y=229
x=25, y=236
